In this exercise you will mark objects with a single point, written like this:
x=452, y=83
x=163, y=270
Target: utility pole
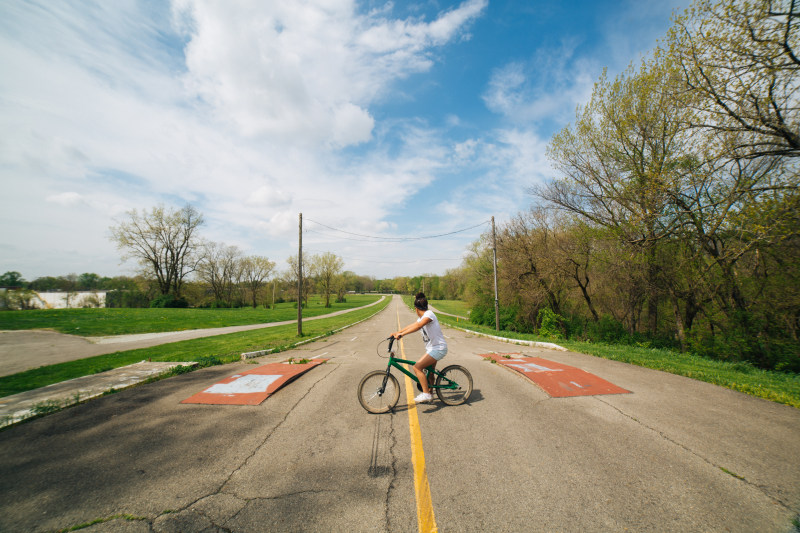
x=300, y=280
x=496, y=302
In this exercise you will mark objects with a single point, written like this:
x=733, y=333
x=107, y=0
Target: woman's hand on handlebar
x=396, y=335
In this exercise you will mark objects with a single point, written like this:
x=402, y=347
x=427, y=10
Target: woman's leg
x=419, y=371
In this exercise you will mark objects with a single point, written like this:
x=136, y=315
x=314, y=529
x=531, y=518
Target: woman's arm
x=411, y=328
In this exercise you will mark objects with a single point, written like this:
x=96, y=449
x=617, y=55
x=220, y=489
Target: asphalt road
x=675, y=455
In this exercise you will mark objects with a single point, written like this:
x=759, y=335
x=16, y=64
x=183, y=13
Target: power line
x=395, y=239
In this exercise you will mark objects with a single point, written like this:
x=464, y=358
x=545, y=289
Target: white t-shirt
x=432, y=333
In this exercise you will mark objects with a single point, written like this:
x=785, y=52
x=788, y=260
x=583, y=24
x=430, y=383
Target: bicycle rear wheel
x=454, y=375
x=369, y=392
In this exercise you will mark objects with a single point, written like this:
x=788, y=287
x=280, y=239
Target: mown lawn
x=224, y=348
x=778, y=387
x=453, y=307
x=100, y=322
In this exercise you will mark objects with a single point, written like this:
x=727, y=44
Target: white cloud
x=305, y=71
x=549, y=85
x=98, y=119
x=65, y=198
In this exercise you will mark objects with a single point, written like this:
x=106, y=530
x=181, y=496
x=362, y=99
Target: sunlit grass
x=226, y=348
x=99, y=322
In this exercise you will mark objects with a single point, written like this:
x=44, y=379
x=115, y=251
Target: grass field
x=100, y=322
x=221, y=348
x=453, y=307
x=778, y=387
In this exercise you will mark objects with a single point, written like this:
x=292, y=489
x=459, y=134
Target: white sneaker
x=423, y=398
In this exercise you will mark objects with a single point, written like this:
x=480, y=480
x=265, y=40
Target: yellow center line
x=425, y=519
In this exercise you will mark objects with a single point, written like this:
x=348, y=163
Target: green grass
x=453, y=307
x=99, y=322
x=226, y=348
x=774, y=386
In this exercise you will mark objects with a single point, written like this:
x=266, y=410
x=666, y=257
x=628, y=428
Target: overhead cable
x=398, y=239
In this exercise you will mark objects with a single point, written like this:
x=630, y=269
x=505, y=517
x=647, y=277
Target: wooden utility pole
x=496, y=302
x=300, y=280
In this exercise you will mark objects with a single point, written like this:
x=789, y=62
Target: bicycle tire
x=369, y=396
x=459, y=375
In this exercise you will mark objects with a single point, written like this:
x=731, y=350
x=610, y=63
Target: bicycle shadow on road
x=436, y=405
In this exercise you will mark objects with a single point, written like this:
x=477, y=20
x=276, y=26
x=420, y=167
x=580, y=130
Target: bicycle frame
x=395, y=362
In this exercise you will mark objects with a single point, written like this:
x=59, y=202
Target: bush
x=169, y=301
x=127, y=298
x=607, y=330
x=552, y=324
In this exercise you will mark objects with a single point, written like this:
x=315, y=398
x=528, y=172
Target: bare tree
x=163, y=241
x=220, y=267
x=255, y=271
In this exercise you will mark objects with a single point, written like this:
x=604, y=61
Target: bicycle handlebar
x=391, y=342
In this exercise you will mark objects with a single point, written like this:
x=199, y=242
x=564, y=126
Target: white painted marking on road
x=579, y=386
x=244, y=385
x=354, y=338
x=531, y=367
x=320, y=355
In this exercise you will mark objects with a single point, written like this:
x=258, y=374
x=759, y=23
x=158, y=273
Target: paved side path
x=26, y=349
x=45, y=400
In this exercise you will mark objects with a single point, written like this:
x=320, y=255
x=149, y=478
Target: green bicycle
x=379, y=390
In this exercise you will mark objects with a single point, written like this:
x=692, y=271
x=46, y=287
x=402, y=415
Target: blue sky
x=388, y=119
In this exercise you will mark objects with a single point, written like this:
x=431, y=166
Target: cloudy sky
x=398, y=120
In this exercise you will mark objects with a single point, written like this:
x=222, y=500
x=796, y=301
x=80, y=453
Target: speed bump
x=253, y=386
x=557, y=380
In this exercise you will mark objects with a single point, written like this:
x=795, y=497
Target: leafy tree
x=742, y=60
x=326, y=267
x=88, y=281
x=255, y=272
x=623, y=159
x=12, y=279
x=163, y=241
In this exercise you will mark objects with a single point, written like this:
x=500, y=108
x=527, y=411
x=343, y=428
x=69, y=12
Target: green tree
x=326, y=267
x=12, y=279
x=622, y=161
x=741, y=58
x=255, y=272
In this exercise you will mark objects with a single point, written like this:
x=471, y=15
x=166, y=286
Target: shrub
x=552, y=324
x=127, y=298
x=169, y=300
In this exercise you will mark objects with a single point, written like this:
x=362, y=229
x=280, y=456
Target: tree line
x=674, y=215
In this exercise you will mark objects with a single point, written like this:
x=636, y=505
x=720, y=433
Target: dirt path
x=26, y=349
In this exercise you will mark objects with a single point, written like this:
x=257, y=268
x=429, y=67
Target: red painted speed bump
x=253, y=386
x=555, y=379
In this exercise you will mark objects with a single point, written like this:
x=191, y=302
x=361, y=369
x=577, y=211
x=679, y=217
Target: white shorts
x=438, y=354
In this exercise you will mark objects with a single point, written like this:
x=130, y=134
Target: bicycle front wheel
x=370, y=395
x=454, y=385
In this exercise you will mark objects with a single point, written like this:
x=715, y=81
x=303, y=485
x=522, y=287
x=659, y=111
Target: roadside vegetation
x=207, y=351
x=780, y=387
x=103, y=321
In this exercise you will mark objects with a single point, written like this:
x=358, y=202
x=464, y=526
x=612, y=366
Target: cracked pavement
x=676, y=455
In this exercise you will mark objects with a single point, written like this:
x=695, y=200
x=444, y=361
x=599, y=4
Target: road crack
x=709, y=462
x=189, y=508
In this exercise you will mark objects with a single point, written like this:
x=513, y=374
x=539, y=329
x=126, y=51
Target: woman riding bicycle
x=435, y=344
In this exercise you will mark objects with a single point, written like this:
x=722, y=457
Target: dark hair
x=420, y=302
